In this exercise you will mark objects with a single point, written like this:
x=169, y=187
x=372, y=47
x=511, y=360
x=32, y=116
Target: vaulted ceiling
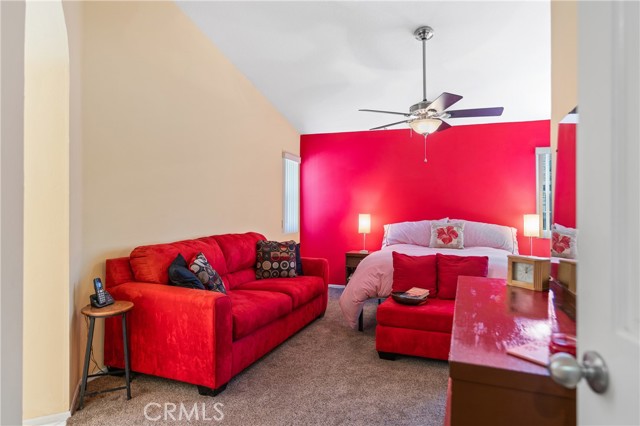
x=319, y=62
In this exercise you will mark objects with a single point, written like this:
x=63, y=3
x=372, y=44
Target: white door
x=608, y=215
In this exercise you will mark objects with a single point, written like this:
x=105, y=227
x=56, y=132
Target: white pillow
x=480, y=234
x=416, y=233
x=564, y=241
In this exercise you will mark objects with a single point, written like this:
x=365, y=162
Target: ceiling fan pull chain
x=425, y=147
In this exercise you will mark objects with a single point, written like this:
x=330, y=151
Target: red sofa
x=205, y=337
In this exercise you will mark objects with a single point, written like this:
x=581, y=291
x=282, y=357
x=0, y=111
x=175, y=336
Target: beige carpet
x=326, y=374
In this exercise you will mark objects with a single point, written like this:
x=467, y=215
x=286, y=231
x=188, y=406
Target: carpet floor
x=327, y=374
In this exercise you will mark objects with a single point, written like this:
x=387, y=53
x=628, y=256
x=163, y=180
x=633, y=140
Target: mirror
x=564, y=235
x=564, y=209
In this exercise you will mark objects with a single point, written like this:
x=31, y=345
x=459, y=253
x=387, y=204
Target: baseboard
x=74, y=400
x=336, y=285
x=59, y=419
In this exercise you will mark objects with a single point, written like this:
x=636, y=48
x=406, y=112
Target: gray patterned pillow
x=206, y=274
x=276, y=259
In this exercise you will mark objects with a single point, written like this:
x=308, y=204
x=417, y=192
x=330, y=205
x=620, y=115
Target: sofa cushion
x=435, y=315
x=239, y=250
x=251, y=310
x=208, y=276
x=181, y=276
x=414, y=271
x=300, y=289
x=451, y=266
x=276, y=259
x=298, y=261
x=151, y=263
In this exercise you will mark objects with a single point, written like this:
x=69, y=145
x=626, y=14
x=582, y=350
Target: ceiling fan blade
x=444, y=101
x=388, y=125
x=443, y=126
x=478, y=112
x=406, y=114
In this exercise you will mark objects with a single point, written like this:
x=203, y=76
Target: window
x=291, y=193
x=544, y=200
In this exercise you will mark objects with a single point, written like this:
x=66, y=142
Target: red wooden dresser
x=489, y=387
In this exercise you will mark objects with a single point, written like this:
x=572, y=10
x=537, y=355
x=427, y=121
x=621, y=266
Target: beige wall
x=564, y=64
x=46, y=211
x=174, y=142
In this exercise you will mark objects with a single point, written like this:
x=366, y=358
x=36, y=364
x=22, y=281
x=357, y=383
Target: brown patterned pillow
x=276, y=259
x=208, y=276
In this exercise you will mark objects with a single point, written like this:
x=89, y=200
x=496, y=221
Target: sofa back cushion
x=240, y=253
x=414, y=271
x=151, y=263
x=451, y=266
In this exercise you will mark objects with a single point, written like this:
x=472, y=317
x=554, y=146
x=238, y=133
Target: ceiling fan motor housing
x=422, y=108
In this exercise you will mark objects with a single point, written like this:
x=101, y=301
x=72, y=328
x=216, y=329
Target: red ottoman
x=423, y=330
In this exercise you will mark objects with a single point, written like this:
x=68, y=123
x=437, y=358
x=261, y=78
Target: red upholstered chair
x=424, y=330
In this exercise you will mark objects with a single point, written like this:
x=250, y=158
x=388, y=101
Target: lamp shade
x=425, y=126
x=364, y=223
x=531, y=225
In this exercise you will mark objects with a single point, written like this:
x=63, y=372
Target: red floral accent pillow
x=564, y=242
x=447, y=235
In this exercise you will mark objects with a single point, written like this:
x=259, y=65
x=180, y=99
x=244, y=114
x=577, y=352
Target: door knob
x=566, y=371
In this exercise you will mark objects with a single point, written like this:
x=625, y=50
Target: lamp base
x=364, y=251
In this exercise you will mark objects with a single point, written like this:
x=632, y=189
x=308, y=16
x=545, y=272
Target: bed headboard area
x=484, y=173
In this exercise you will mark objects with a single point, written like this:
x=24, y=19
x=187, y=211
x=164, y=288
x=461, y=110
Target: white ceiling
x=319, y=62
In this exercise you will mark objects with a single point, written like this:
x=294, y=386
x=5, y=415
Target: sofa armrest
x=174, y=332
x=317, y=267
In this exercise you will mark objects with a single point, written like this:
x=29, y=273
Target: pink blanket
x=374, y=275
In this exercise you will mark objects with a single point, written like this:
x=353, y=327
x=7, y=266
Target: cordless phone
x=102, y=297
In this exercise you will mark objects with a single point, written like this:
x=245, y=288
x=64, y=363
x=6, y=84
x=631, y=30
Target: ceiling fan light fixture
x=425, y=126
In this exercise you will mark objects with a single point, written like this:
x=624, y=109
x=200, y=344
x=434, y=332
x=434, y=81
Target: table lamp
x=364, y=227
x=531, y=228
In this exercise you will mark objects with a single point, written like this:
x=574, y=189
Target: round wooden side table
x=120, y=307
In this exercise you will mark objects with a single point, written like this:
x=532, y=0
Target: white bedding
x=374, y=275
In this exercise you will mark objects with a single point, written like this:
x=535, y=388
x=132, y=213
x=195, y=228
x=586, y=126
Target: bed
x=374, y=276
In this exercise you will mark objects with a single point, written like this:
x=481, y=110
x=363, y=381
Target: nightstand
x=354, y=257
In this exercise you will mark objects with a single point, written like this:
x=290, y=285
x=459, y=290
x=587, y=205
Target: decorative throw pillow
x=298, y=260
x=447, y=235
x=206, y=274
x=414, y=271
x=451, y=266
x=564, y=242
x=276, y=259
x=181, y=276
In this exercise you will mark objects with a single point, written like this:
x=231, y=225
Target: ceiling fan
x=426, y=117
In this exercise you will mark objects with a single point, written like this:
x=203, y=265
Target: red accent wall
x=477, y=172
x=564, y=208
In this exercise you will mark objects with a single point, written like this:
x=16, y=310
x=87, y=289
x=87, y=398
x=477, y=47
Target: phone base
x=93, y=299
